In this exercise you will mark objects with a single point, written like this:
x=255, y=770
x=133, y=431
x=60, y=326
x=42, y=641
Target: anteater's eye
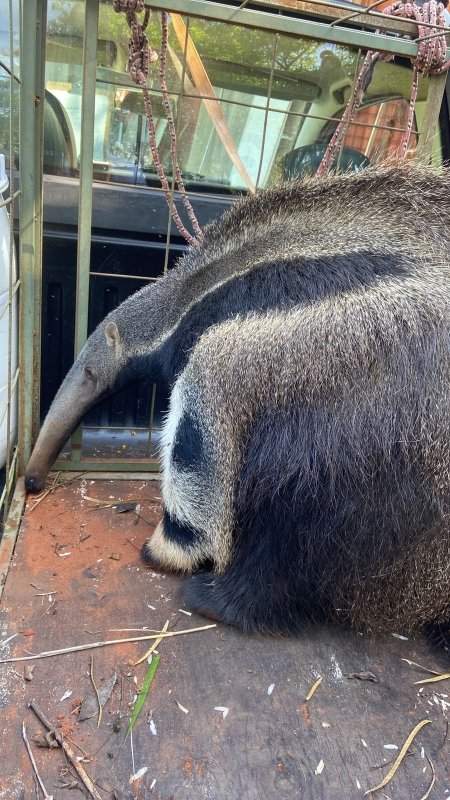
x=90, y=374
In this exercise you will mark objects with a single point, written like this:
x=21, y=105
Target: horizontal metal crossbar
x=295, y=26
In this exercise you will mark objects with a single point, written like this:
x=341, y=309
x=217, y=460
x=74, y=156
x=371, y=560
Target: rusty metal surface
x=76, y=576
x=10, y=531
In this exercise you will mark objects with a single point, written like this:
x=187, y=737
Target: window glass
x=250, y=107
x=9, y=87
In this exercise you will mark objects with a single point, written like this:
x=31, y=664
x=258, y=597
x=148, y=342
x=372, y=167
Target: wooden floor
x=226, y=716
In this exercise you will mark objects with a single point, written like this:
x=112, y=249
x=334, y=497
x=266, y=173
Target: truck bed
x=227, y=715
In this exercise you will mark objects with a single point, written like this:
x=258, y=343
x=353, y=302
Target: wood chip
x=223, y=710
x=138, y=775
x=90, y=704
x=319, y=769
x=363, y=676
x=121, y=508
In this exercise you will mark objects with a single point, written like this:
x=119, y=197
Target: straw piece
x=400, y=757
x=92, y=645
x=152, y=648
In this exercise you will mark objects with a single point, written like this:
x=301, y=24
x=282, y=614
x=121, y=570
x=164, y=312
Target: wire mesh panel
x=255, y=97
x=9, y=284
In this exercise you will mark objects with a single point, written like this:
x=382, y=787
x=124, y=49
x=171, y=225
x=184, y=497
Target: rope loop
x=129, y=5
x=141, y=54
x=430, y=60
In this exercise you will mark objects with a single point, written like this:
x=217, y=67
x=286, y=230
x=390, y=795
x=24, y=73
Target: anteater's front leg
x=194, y=530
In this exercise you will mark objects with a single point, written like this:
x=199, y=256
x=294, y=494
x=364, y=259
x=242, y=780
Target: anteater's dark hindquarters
x=319, y=541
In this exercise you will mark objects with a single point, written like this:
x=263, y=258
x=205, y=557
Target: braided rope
x=141, y=54
x=430, y=60
x=172, y=128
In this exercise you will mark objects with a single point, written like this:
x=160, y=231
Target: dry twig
x=82, y=774
x=420, y=666
x=33, y=763
x=432, y=782
x=400, y=757
x=57, y=482
x=91, y=672
x=93, y=645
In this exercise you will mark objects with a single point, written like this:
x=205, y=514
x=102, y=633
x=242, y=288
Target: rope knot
x=140, y=55
x=430, y=60
x=135, y=6
x=140, y=52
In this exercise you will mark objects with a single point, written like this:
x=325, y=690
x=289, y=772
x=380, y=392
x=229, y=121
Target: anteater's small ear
x=113, y=339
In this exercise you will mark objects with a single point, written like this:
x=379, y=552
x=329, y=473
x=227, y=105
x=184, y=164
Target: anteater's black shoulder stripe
x=274, y=286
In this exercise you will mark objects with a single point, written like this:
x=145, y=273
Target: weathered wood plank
x=267, y=747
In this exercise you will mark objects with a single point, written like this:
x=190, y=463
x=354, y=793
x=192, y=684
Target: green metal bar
x=291, y=26
x=30, y=223
x=10, y=531
x=85, y=196
x=430, y=127
x=41, y=34
x=86, y=172
x=11, y=266
x=107, y=464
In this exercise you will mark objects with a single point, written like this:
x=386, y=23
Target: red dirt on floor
x=77, y=578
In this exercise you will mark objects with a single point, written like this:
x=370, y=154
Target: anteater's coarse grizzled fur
x=306, y=449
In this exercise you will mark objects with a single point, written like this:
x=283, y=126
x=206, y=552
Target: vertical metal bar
x=10, y=531
x=41, y=34
x=11, y=270
x=358, y=64
x=85, y=196
x=430, y=128
x=30, y=224
x=86, y=171
x=267, y=109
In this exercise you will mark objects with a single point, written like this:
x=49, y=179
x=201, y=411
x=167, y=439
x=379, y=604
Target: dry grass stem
x=400, y=757
x=420, y=666
x=57, y=481
x=93, y=645
x=152, y=648
x=432, y=782
x=33, y=763
x=443, y=677
x=91, y=672
x=313, y=688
